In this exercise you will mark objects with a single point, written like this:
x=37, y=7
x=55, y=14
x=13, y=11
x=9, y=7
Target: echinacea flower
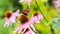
x=24, y=19
x=36, y=18
x=10, y=18
x=25, y=26
x=57, y=3
x=28, y=1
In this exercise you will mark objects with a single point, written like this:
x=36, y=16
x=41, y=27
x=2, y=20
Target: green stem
x=40, y=10
x=52, y=30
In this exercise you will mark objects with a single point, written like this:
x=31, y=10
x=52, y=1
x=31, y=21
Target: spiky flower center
x=35, y=14
x=8, y=14
x=23, y=19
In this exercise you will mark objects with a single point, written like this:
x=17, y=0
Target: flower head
x=57, y=3
x=23, y=18
x=28, y=1
x=8, y=14
x=35, y=13
x=25, y=1
x=35, y=18
x=24, y=26
x=10, y=18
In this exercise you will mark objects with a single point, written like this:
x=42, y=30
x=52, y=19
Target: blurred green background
x=41, y=6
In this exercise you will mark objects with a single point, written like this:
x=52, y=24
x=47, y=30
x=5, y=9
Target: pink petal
x=14, y=15
x=57, y=3
x=7, y=22
x=18, y=29
x=31, y=25
x=40, y=16
x=21, y=0
x=17, y=12
x=28, y=1
x=35, y=19
x=22, y=26
x=25, y=1
x=32, y=20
